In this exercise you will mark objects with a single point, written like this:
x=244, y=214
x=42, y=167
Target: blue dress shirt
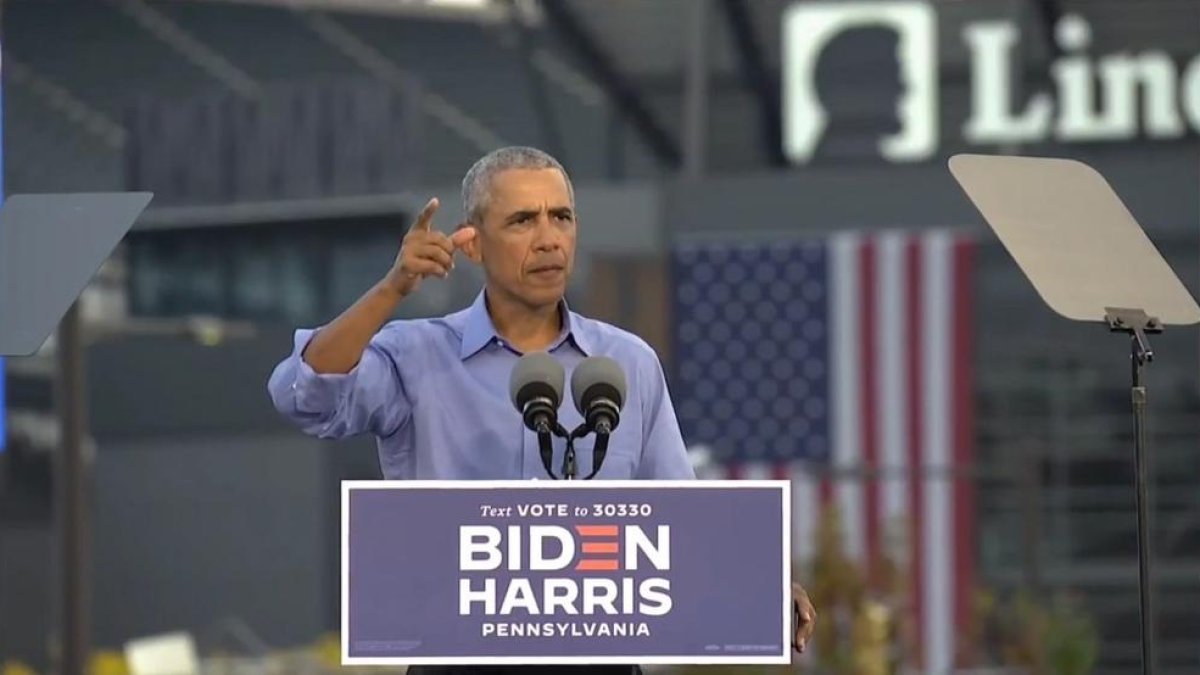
x=435, y=394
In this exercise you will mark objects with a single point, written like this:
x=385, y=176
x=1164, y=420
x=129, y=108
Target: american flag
x=844, y=365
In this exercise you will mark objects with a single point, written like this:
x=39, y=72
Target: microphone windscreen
x=593, y=371
x=536, y=373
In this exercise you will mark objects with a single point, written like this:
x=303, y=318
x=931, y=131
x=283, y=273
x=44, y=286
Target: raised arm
x=344, y=378
x=425, y=252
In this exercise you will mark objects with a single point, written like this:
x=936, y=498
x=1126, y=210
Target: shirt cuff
x=315, y=392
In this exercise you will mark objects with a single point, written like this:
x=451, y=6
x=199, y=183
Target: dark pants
x=524, y=670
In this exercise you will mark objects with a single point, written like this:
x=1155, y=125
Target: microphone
x=536, y=388
x=598, y=389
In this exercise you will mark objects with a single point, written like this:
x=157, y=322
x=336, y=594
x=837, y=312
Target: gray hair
x=477, y=183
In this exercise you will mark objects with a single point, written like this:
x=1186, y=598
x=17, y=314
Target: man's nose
x=547, y=237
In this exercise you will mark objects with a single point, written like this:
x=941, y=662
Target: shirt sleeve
x=664, y=456
x=370, y=398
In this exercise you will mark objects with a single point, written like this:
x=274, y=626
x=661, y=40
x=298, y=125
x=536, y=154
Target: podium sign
x=565, y=572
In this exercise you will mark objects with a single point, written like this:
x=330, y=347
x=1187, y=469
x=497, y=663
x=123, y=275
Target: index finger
x=425, y=218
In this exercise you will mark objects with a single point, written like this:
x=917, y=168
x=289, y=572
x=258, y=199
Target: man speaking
x=435, y=392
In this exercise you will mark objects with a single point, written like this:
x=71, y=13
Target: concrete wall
x=1159, y=182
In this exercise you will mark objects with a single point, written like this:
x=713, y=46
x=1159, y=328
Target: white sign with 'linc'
x=1092, y=98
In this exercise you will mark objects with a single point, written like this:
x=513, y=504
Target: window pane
x=147, y=278
x=356, y=264
x=299, y=279
x=256, y=288
x=202, y=272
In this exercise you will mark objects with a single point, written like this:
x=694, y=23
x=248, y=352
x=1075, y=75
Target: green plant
x=1072, y=644
x=861, y=608
x=1054, y=638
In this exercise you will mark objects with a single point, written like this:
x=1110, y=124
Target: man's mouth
x=546, y=270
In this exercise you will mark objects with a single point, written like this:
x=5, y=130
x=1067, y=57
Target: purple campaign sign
x=470, y=572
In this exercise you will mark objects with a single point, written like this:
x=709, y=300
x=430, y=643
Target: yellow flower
x=16, y=668
x=107, y=663
x=328, y=650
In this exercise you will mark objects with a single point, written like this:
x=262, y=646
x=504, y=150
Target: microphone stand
x=546, y=447
x=570, y=469
x=598, y=451
x=570, y=466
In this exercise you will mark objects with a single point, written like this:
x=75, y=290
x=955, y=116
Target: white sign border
x=776, y=659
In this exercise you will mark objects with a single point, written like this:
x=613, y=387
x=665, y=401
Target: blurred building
x=289, y=143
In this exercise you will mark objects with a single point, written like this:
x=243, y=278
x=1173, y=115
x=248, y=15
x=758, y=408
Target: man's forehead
x=534, y=186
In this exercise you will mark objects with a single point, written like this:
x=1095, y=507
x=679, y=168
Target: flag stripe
x=938, y=573
x=781, y=471
x=871, y=337
x=825, y=492
x=964, y=433
x=757, y=471
x=845, y=284
x=892, y=395
x=806, y=506
x=914, y=530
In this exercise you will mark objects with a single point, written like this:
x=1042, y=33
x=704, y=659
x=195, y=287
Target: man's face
x=526, y=242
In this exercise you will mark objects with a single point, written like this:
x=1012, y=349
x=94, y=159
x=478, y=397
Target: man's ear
x=470, y=248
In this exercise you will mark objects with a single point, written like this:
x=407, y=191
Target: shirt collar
x=479, y=329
